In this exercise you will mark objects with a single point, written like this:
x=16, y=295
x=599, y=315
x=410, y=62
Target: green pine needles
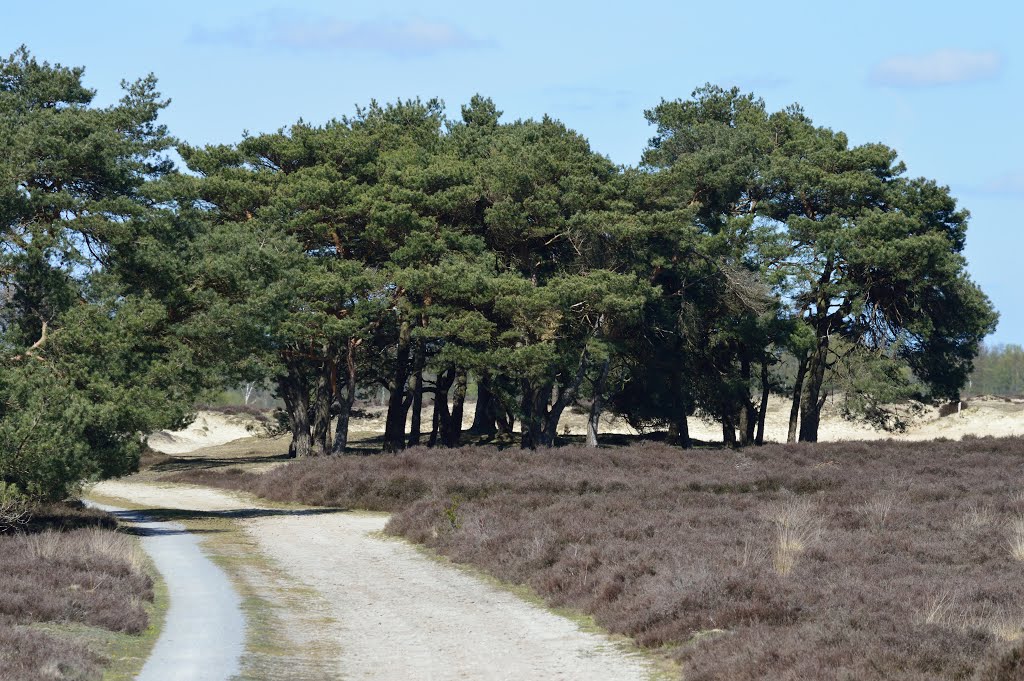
x=753, y=253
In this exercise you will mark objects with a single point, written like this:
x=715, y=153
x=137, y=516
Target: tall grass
x=797, y=526
x=66, y=566
x=1017, y=538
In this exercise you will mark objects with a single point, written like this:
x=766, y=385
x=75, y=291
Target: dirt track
x=394, y=613
x=204, y=631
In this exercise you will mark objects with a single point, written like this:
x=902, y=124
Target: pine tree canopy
x=752, y=253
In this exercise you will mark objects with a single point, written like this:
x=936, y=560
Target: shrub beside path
x=396, y=614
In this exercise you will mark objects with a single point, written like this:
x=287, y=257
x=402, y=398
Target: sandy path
x=204, y=631
x=395, y=613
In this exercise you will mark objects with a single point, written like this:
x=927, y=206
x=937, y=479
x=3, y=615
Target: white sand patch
x=208, y=429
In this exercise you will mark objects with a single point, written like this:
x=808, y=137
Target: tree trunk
x=762, y=408
x=442, y=417
x=678, y=427
x=484, y=415
x=531, y=423
x=451, y=430
x=798, y=391
x=506, y=420
x=340, y=443
x=294, y=390
x=810, y=416
x=747, y=417
x=322, y=399
x=435, y=423
x=343, y=401
x=561, y=397
x=417, y=395
x=683, y=431
x=728, y=432
x=597, y=406
x=394, y=428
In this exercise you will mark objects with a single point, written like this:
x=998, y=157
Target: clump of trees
x=998, y=370
x=403, y=248
x=90, y=353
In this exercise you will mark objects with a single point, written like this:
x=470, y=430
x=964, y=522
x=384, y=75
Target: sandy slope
x=397, y=614
x=209, y=429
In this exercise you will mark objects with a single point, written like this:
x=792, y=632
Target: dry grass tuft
x=1017, y=538
x=797, y=526
x=977, y=517
x=66, y=565
x=942, y=610
x=89, y=575
x=1005, y=627
x=881, y=507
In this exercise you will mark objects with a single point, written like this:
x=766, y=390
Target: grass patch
x=881, y=560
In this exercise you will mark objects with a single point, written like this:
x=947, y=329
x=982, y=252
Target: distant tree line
x=998, y=370
x=404, y=248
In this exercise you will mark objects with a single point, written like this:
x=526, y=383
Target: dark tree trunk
x=417, y=395
x=531, y=425
x=543, y=427
x=344, y=398
x=747, y=417
x=451, y=426
x=597, y=406
x=683, y=432
x=762, y=409
x=728, y=431
x=550, y=422
x=484, y=415
x=394, y=428
x=813, y=401
x=749, y=433
x=294, y=390
x=435, y=423
x=442, y=417
x=506, y=420
x=678, y=427
x=340, y=443
x=798, y=391
x=322, y=399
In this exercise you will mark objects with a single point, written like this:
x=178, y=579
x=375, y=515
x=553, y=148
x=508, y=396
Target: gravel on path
x=396, y=614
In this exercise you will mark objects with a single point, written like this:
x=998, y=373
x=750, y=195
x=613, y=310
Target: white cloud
x=941, y=67
x=284, y=29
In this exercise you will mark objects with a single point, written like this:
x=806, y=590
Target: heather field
x=855, y=560
x=67, y=577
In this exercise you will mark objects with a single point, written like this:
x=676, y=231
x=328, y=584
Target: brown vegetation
x=31, y=655
x=66, y=567
x=850, y=560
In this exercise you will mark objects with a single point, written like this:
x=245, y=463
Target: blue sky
x=942, y=82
